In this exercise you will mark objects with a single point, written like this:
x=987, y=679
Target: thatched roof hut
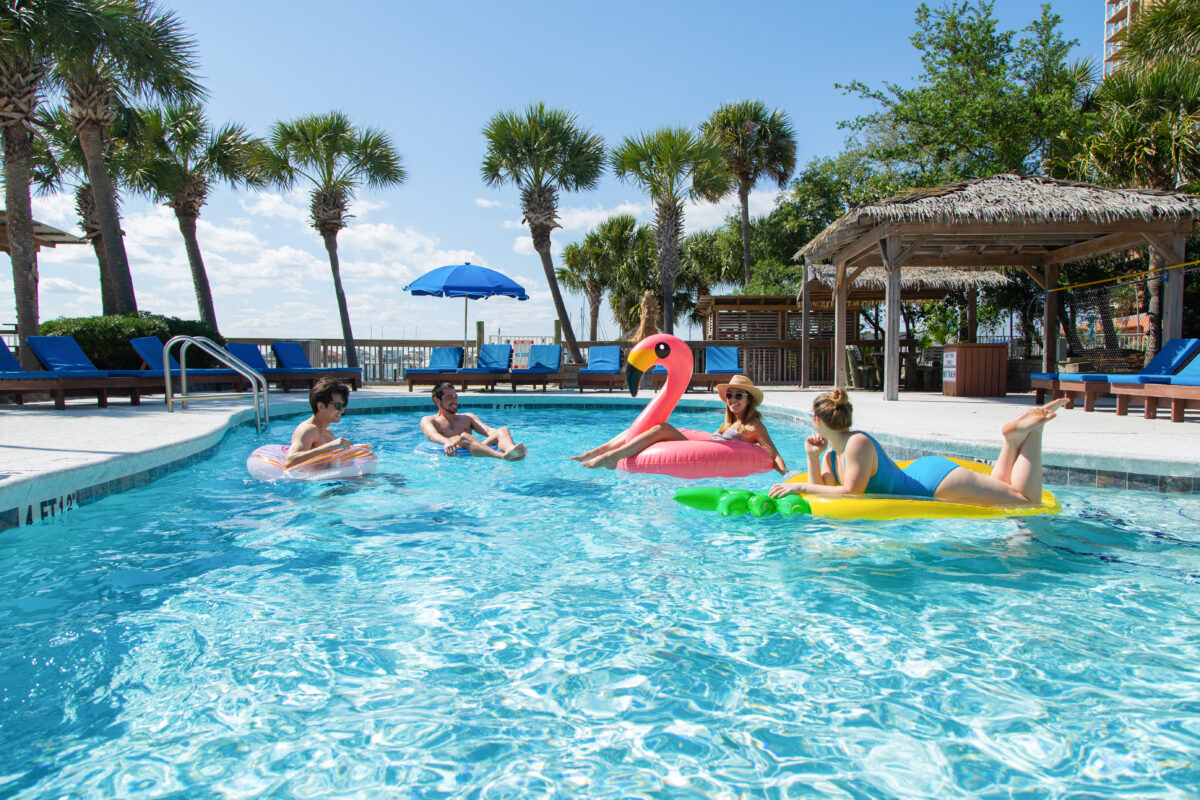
x=1033, y=223
x=1007, y=220
x=915, y=278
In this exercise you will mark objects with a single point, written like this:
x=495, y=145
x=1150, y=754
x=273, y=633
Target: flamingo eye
x=662, y=350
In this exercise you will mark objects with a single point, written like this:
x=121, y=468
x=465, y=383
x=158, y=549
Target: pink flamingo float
x=700, y=456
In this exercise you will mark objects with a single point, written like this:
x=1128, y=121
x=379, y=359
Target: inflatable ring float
x=435, y=449
x=735, y=502
x=266, y=464
x=700, y=456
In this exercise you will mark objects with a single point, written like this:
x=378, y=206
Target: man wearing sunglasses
x=328, y=398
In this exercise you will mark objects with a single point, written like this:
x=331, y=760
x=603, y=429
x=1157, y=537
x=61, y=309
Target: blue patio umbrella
x=468, y=281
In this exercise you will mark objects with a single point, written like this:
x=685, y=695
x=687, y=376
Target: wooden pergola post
x=1050, y=320
x=1172, y=249
x=892, y=255
x=804, y=307
x=841, y=292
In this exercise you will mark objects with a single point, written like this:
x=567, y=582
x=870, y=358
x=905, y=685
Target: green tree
x=755, y=143
x=543, y=151
x=31, y=36
x=151, y=57
x=985, y=103
x=182, y=156
x=335, y=158
x=1166, y=29
x=672, y=165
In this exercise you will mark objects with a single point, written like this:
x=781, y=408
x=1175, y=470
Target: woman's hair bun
x=839, y=397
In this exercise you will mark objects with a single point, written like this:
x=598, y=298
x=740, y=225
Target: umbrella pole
x=465, y=301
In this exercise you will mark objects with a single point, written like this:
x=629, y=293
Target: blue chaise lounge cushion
x=441, y=359
x=290, y=356
x=63, y=356
x=721, y=359
x=543, y=358
x=605, y=360
x=493, y=358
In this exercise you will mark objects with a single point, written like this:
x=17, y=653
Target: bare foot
x=1020, y=427
x=516, y=454
x=606, y=462
x=595, y=451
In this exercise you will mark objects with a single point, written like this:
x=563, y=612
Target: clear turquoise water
x=461, y=628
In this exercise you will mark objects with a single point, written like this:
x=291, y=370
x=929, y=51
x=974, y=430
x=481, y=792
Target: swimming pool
x=456, y=627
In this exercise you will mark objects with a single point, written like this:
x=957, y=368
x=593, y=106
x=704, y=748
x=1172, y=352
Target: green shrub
x=105, y=340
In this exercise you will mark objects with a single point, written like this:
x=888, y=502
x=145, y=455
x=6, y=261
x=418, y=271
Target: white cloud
x=58, y=210
x=483, y=202
x=582, y=219
x=294, y=207
x=523, y=246
x=66, y=287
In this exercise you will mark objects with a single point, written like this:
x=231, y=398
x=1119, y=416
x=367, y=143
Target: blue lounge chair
x=150, y=349
x=249, y=354
x=603, y=368
x=1182, y=390
x=290, y=356
x=493, y=364
x=17, y=381
x=1169, y=360
x=443, y=364
x=63, y=358
x=720, y=364
x=545, y=365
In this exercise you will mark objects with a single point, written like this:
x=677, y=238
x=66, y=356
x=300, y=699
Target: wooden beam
x=847, y=250
x=854, y=276
x=964, y=260
x=1093, y=247
x=1166, y=245
x=1038, y=277
x=907, y=253
x=1034, y=229
x=1050, y=321
x=804, y=346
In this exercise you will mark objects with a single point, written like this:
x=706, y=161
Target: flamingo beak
x=638, y=362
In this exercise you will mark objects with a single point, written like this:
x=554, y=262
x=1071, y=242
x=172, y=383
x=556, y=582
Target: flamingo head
x=661, y=348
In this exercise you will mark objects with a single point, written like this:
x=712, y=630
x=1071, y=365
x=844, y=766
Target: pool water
x=458, y=627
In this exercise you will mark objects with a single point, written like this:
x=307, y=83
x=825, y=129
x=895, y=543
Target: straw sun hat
x=743, y=383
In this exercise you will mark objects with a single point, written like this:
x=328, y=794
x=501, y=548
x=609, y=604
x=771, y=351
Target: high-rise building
x=1117, y=16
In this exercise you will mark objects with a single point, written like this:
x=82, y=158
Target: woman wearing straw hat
x=742, y=423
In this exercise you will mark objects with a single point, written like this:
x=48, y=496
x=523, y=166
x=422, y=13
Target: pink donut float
x=700, y=456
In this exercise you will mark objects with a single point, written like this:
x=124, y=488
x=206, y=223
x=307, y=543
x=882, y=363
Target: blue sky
x=431, y=75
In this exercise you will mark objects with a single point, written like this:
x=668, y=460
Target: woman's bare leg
x=662, y=432
x=1017, y=477
x=610, y=445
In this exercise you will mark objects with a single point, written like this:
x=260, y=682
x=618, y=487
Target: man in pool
x=312, y=438
x=453, y=430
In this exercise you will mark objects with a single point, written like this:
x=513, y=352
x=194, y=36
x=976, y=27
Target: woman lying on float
x=855, y=463
x=741, y=445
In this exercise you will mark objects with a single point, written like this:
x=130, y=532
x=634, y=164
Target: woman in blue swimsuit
x=856, y=464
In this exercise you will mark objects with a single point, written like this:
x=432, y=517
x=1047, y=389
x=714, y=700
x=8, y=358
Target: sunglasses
x=340, y=406
x=735, y=395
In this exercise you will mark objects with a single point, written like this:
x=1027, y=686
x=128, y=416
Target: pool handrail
x=258, y=384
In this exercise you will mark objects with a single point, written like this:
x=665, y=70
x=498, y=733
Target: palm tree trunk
x=594, y=293
x=21, y=248
x=541, y=243
x=668, y=230
x=334, y=266
x=744, y=197
x=1154, y=312
x=187, y=226
x=107, y=216
x=85, y=205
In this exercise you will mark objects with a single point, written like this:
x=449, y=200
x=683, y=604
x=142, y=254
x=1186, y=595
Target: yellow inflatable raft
x=734, y=502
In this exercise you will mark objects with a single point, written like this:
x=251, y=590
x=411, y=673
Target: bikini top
x=888, y=478
x=730, y=434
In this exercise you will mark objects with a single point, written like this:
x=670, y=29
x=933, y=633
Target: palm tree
x=1166, y=29
x=335, y=158
x=591, y=266
x=31, y=34
x=672, y=165
x=543, y=151
x=755, y=143
x=59, y=160
x=151, y=57
x=183, y=157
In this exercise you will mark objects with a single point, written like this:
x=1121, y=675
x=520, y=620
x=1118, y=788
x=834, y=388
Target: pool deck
x=52, y=461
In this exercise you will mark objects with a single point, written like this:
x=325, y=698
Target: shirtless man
x=453, y=430
x=328, y=398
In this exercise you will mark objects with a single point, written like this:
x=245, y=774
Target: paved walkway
x=66, y=457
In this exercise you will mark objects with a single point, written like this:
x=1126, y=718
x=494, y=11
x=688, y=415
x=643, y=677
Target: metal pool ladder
x=258, y=384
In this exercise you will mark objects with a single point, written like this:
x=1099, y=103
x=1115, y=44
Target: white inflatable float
x=266, y=464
